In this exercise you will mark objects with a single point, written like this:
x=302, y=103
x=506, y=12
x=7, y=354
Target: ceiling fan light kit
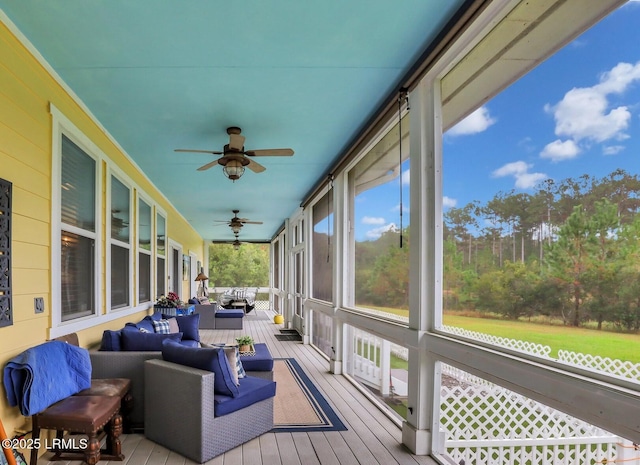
x=235, y=159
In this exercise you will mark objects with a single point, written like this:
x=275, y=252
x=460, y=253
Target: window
x=540, y=245
x=78, y=232
x=161, y=255
x=322, y=248
x=144, y=251
x=120, y=244
x=379, y=182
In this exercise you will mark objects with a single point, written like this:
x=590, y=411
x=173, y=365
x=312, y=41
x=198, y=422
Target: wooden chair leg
x=92, y=452
x=35, y=434
x=113, y=444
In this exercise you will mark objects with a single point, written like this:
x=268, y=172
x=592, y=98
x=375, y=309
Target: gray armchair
x=179, y=413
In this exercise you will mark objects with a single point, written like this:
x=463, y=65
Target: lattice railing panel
x=536, y=454
x=605, y=364
x=523, y=346
x=472, y=412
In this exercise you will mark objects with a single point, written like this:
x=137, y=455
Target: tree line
x=569, y=250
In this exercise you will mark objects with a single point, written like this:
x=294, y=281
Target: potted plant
x=245, y=343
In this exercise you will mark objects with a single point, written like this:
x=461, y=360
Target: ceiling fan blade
x=236, y=142
x=270, y=153
x=208, y=165
x=252, y=222
x=255, y=167
x=198, y=151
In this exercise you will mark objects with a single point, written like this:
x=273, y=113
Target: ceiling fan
x=236, y=223
x=235, y=158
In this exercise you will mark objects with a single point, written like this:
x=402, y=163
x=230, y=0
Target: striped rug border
x=330, y=420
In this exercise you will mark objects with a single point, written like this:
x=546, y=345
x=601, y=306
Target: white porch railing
x=488, y=424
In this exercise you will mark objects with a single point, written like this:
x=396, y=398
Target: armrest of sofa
x=105, y=364
x=179, y=407
x=207, y=315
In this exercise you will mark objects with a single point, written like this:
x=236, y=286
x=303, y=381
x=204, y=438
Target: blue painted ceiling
x=161, y=75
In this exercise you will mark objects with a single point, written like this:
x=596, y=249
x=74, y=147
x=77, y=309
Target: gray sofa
x=130, y=365
x=179, y=413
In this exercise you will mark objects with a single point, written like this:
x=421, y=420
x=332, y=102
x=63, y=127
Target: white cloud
x=584, y=114
x=405, y=177
x=377, y=232
x=520, y=171
x=448, y=202
x=476, y=122
x=613, y=149
x=560, y=150
x=372, y=220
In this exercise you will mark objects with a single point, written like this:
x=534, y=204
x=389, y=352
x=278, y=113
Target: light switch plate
x=38, y=305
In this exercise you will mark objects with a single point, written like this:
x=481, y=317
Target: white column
x=339, y=272
x=420, y=431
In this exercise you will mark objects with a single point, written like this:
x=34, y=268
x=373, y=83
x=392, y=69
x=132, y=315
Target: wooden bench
x=110, y=387
x=84, y=415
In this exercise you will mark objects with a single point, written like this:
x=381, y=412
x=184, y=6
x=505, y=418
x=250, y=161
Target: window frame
x=159, y=213
x=115, y=173
x=62, y=126
x=141, y=197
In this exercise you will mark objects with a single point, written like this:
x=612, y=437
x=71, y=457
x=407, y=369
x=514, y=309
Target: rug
x=298, y=405
x=288, y=335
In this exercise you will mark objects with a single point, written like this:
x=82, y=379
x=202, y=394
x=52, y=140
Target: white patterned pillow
x=161, y=326
x=233, y=361
x=239, y=367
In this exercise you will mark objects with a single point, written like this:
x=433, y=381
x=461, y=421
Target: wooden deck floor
x=371, y=438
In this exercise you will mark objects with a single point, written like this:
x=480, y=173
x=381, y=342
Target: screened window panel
x=77, y=276
x=78, y=181
x=144, y=277
x=120, y=211
x=119, y=276
x=322, y=249
x=144, y=225
x=161, y=277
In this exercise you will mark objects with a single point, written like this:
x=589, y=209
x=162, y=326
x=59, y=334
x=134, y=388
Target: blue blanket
x=43, y=375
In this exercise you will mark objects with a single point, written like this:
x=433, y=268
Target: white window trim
x=140, y=196
x=156, y=254
x=63, y=125
x=116, y=173
x=171, y=245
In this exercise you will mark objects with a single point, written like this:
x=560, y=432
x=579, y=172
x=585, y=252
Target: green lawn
x=621, y=346
x=587, y=341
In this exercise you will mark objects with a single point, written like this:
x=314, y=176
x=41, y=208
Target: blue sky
x=576, y=113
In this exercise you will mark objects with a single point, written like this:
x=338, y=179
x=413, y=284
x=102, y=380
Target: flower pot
x=245, y=348
x=278, y=319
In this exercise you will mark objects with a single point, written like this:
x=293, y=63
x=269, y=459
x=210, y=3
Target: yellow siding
x=26, y=92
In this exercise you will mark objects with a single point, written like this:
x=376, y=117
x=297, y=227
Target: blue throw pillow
x=204, y=358
x=189, y=325
x=111, y=340
x=145, y=323
x=138, y=341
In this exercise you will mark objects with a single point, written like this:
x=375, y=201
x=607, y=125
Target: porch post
x=338, y=273
x=421, y=428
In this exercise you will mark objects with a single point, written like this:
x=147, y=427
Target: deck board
x=371, y=436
